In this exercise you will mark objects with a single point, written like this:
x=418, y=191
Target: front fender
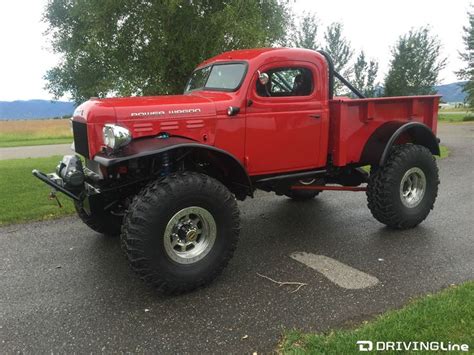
x=236, y=174
x=143, y=147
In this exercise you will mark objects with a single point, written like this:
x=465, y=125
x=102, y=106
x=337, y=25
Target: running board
x=306, y=174
x=329, y=188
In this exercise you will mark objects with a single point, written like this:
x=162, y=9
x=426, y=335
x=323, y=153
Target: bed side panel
x=354, y=121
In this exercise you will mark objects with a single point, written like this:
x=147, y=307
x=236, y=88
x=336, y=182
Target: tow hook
x=54, y=196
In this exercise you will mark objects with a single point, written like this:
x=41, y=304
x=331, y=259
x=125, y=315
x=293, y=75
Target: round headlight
x=116, y=136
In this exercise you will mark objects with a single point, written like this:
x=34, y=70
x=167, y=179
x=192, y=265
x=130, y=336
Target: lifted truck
x=164, y=172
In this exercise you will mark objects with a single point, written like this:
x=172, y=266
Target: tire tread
x=381, y=179
x=165, y=189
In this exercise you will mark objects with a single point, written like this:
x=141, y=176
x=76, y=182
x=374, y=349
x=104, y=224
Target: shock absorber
x=165, y=164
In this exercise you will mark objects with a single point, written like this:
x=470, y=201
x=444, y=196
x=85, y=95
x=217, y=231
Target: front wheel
x=403, y=191
x=181, y=231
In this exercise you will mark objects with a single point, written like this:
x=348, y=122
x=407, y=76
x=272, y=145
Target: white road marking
x=341, y=274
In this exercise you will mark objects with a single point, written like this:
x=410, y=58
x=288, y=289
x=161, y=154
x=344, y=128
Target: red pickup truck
x=164, y=172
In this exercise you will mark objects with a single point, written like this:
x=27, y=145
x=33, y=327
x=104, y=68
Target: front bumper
x=88, y=197
x=56, y=183
x=71, y=178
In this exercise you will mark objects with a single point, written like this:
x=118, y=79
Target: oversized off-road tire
x=403, y=191
x=105, y=222
x=181, y=231
x=302, y=195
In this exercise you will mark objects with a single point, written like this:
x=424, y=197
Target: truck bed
x=353, y=121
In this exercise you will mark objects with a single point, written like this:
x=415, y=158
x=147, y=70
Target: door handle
x=315, y=116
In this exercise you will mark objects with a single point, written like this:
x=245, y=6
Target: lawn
x=444, y=317
x=25, y=198
x=34, y=132
x=457, y=115
x=444, y=152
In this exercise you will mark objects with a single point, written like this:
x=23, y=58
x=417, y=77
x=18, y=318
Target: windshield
x=225, y=77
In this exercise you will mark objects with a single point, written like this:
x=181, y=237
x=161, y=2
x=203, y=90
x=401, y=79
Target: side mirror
x=263, y=78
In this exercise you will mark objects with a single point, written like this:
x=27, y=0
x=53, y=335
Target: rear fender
x=378, y=146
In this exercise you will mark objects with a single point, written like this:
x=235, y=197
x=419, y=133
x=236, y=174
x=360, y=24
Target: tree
x=306, y=32
x=135, y=47
x=340, y=50
x=467, y=73
x=415, y=64
x=365, y=74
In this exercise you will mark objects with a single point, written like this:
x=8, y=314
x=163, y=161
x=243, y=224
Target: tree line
x=136, y=47
x=467, y=55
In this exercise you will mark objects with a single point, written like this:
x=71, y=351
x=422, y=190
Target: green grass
x=25, y=198
x=455, y=116
x=34, y=132
x=447, y=316
x=444, y=152
x=20, y=140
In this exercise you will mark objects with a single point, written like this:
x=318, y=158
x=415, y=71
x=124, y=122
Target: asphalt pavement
x=64, y=288
x=35, y=151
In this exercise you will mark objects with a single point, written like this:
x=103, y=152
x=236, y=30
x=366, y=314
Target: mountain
x=34, y=109
x=452, y=92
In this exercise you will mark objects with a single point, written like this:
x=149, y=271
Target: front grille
x=81, y=145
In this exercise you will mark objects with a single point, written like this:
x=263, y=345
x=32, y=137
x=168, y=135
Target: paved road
x=64, y=288
x=35, y=151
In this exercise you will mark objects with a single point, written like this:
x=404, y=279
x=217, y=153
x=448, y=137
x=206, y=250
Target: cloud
x=369, y=24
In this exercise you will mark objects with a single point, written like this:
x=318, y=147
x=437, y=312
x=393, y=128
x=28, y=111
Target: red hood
x=148, y=107
x=199, y=104
x=192, y=116
x=152, y=107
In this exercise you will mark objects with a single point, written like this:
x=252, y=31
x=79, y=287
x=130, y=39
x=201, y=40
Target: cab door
x=283, y=118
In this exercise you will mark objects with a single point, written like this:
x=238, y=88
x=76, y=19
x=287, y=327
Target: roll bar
x=333, y=74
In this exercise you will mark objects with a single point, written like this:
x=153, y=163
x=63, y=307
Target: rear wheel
x=303, y=195
x=402, y=193
x=181, y=231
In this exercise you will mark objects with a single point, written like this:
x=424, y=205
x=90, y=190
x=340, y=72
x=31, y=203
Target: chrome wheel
x=190, y=235
x=413, y=187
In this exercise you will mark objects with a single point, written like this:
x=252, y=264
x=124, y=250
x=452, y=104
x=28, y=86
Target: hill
x=452, y=92
x=34, y=109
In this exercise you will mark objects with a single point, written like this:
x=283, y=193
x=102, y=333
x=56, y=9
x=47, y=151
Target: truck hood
x=161, y=108
x=193, y=116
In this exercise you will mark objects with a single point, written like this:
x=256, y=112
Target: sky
x=371, y=25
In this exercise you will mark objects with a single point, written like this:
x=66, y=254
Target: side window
x=287, y=82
